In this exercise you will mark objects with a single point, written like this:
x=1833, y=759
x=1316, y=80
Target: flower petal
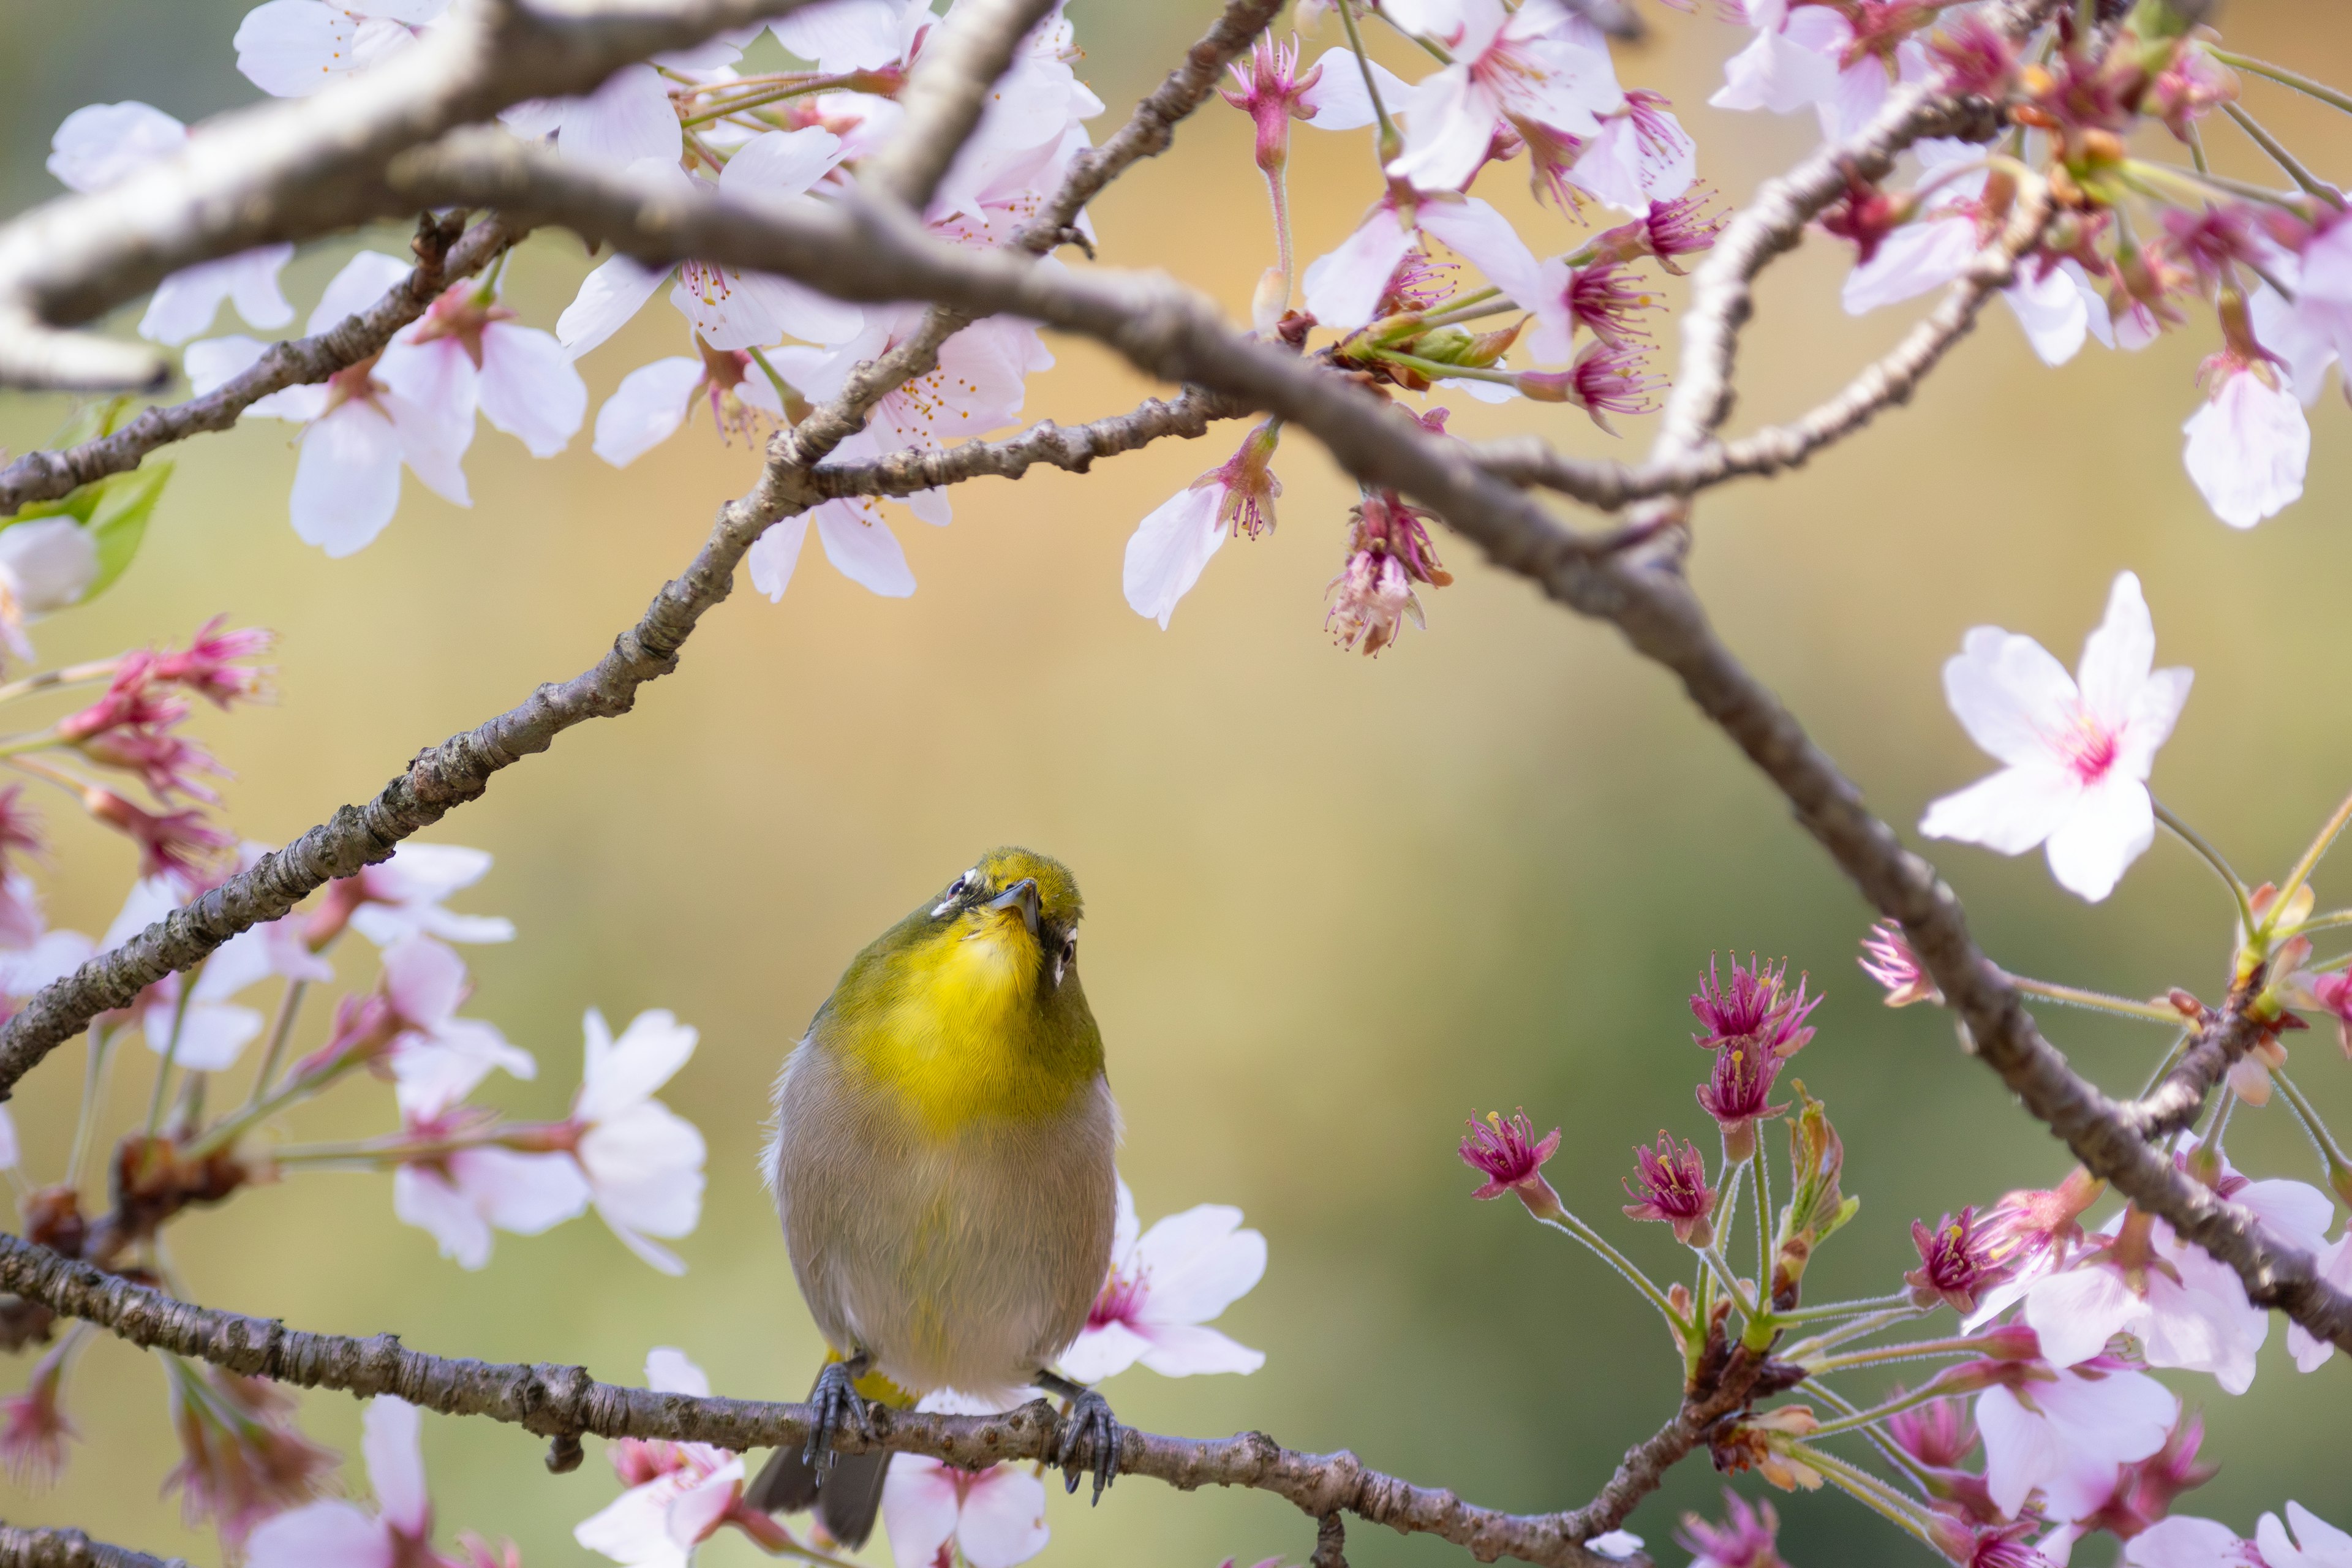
x=646, y=409
x=2110, y=825
x=395, y=1464
x=862, y=549
x=1169, y=549
x=2008, y=812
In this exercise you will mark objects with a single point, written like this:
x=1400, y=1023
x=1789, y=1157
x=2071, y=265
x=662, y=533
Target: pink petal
x=2021, y=1452
x=395, y=1465
x=426, y=1199
x=862, y=549
x=320, y=1535
x=779, y=164
x=2185, y=1542
x=608, y=298
x=1485, y=239
x=2075, y=1312
x=626, y=119
x=2247, y=449
x=774, y=554
x=919, y=1508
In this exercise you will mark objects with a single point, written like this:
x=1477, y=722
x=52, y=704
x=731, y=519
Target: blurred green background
x=1336, y=905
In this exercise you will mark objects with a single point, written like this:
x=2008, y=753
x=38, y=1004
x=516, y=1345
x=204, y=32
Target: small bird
x=943, y=1166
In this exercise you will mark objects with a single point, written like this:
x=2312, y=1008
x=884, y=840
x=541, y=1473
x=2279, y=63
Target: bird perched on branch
x=943, y=1166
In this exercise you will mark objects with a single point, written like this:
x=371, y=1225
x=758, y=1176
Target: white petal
x=214, y=362
x=1450, y=123
x=2247, y=449
x=1181, y=1349
x=2100, y=1422
x=2021, y=1452
x=395, y=1464
x=1344, y=288
x=668, y=1371
x=2334, y=1267
x=1920, y=255
x=844, y=35
x=101, y=144
x=320, y=1535
x=528, y=389
x=608, y=298
x=1198, y=1263
x=2184, y=1541
x=649, y=1053
x=2118, y=654
x=646, y=409
x=523, y=1194
x=1487, y=240
x=634, y=1529
x=1003, y=1519
x=49, y=563
x=2008, y=812
x=2324, y=1545
x=774, y=554
x=778, y=163
x=2009, y=695
x=365, y=278
x=425, y=981
x=1102, y=1352
x=185, y=303
x=2110, y=825
x=431, y=1202
x=645, y=1166
x=863, y=550
x=1337, y=97
x=2050, y=310
x=433, y=443
x=10, y=1150
x=210, y=1035
x=919, y=1508
x=1168, y=550
x=628, y=118
x=1125, y=1229
x=2075, y=1312
x=1776, y=74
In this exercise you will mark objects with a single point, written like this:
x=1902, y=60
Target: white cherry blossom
x=438, y=1058
x=461, y=1196
x=333, y=1533
x=46, y=563
x=104, y=144
x=680, y=1495
x=2314, y=1544
x=2335, y=1260
x=1542, y=70
x=1803, y=56
x=654, y=400
x=1344, y=288
x=840, y=36
x=212, y=1030
x=292, y=48
x=403, y=897
x=641, y=1161
x=935, y=1512
x=1641, y=154
x=2076, y=756
x=467, y=352
x=2248, y=445
x=2064, y=1437
x=2184, y=1541
x=1164, y=1287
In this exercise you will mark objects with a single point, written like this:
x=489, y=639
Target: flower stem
x=1713, y=1253
x=1431, y=368
x=1870, y=1491
x=51, y=680
x=2213, y=857
x=1854, y=1421
x=281, y=1029
x=1763, y=1225
x=1843, y=1309
x=1853, y=1331
x=2096, y=1001
x=2285, y=78
x=93, y=1097
x=766, y=95
x=1278, y=190
x=1914, y=1350
x=1625, y=1266
x=2313, y=186
x=2312, y=854
x=172, y=1050
x=2339, y=1167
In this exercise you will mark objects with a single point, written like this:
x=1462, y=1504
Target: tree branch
x=21, y=1548
x=1075, y=448
x=946, y=95
x=564, y=1402
x=46, y=476
x=2179, y=1099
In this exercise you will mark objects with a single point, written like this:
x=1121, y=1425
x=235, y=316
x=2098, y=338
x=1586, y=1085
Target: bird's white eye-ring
x=1063, y=959
x=955, y=890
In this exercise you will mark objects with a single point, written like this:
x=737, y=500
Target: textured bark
x=21, y=1548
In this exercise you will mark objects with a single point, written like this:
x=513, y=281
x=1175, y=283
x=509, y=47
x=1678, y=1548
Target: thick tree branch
x=21, y=1548
x=565, y=1402
x=46, y=476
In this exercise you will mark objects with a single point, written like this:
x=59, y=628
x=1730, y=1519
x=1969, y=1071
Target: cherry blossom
x=1641, y=154
x=2248, y=445
x=1542, y=70
x=1747, y=1537
x=841, y=36
x=242, y=1458
x=333, y=1533
x=291, y=48
x=1164, y=1287
x=1813, y=56
x=458, y=1198
x=211, y=1031
x=2063, y=1434
x=937, y=1513
x=641, y=1161
x=436, y=1056
x=2076, y=756
x=1344, y=289
x=655, y=399
x=470, y=353
x=2185, y=1540
x=104, y=144
x=34, y=1427
x=2334, y=1261
x=2316, y=1544
x=1673, y=1189
x=1172, y=546
x=401, y=896
x=679, y=1494
x=359, y=425
x=46, y=563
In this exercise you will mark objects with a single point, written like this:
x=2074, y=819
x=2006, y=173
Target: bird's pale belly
x=965, y=1261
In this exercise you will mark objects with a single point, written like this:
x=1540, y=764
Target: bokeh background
x=1335, y=904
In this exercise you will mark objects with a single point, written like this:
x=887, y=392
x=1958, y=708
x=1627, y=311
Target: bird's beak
x=1021, y=896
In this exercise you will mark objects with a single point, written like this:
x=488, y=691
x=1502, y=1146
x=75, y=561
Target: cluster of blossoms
x=761, y=348
x=2136, y=247
x=1165, y=1285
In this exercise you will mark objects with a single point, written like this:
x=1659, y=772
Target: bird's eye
x=1068, y=954
x=956, y=889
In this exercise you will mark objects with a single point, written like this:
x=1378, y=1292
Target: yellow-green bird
x=943, y=1166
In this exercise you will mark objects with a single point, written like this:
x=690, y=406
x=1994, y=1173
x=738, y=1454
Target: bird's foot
x=1088, y=1433
x=835, y=1406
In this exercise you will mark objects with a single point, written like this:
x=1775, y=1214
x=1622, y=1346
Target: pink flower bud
x=1888, y=959
x=1270, y=92
x=1955, y=1263
x=1512, y=1159
x=1747, y=1537
x=34, y=1430
x=242, y=1457
x=1673, y=1190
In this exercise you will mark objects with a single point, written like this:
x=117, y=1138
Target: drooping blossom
x=1605, y=299
x=1673, y=1189
x=1273, y=92
x=471, y=352
x=1389, y=553
x=33, y=1429
x=641, y=1160
x=1887, y=958
x=2064, y=1433
x=46, y=564
x=1956, y=1263
x=1605, y=378
x=1756, y=1007
x=1172, y=546
x=1739, y=1092
x=937, y=1513
x=1747, y=1537
x=679, y=1494
x=395, y=900
x=362, y=423
x=1511, y=1157
x=104, y=144
x=242, y=1458
x=292, y=48
x=1165, y=1285
x=333, y=1533
x=2076, y=756
x=2248, y=445
x=1541, y=71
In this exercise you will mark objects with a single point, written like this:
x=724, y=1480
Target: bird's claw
x=835, y=1406
x=1089, y=1433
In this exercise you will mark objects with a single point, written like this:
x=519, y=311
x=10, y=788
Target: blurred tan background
x=1336, y=905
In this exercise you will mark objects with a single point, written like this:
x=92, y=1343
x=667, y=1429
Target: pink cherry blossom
x=2065, y=1433
x=470, y=352
x=679, y=1494
x=34, y=1428
x=1813, y=56
x=2187, y=1542
x=1541, y=71
x=242, y=1457
x=1164, y=1287
x=937, y=1513
x=46, y=563
x=2076, y=756
x=403, y=897
x=360, y=426
x=840, y=36
x=459, y=1196
x=1172, y=546
x=437, y=1057
x=1640, y=155
x=291, y=48
x=333, y=1533
x=641, y=1161
x=103, y=143
x=2316, y=1544
x=2247, y=445
x=2335, y=1268
x=1344, y=289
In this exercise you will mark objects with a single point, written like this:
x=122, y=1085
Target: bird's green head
x=1023, y=907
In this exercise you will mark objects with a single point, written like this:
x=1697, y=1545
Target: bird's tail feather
x=846, y=1504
